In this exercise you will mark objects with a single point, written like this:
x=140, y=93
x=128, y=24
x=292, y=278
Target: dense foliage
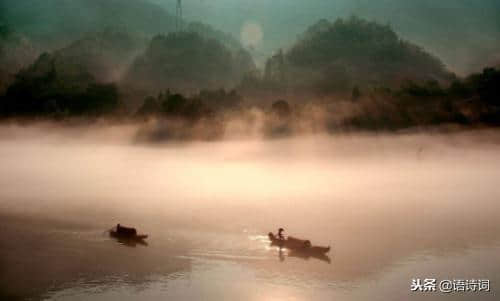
x=365, y=75
x=187, y=61
x=202, y=105
x=54, y=90
x=474, y=100
x=105, y=54
x=174, y=106
x=333, y=57
x=15, y=51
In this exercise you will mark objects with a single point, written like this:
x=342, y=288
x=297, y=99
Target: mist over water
x=393, y=207
x=367, y=129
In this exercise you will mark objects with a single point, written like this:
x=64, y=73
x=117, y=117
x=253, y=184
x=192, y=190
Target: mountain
x=464, y=33
x=188, y=61
x=332, y=57
x=16, y=52
x=105, y=54
x=73, y=80
x=53, y=24
x=51, y=87
x=103, y=37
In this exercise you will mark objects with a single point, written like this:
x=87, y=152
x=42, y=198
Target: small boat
x=299, y=245
x=115, y=234
x=126, y=233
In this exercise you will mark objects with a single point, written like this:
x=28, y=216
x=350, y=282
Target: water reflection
x=307, y=256
x=131, y=242
x=302, y=254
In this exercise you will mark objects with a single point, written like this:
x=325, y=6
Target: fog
x=54, y=171
x=378, y=199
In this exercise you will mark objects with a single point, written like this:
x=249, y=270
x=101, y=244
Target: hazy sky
x=465, y=34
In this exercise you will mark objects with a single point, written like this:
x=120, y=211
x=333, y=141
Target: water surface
x=392, y=207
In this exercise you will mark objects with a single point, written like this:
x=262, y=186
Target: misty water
x=392, y=207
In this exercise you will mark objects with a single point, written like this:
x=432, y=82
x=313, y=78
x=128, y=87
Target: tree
x=187, y=61
x=46, y=88
x=281, y=108
x=174, y=105
x=149, y=107
x=488, y=86
x=356, y=93
x=99, y=99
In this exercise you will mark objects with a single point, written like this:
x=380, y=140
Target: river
x=393, y=208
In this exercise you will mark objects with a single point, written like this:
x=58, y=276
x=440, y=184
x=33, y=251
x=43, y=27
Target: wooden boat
x=296, y=244
x=115, y=234
x=125, y=233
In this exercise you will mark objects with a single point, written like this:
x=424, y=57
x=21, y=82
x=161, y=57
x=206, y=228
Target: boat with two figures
x=127, y=234
x=297, y=245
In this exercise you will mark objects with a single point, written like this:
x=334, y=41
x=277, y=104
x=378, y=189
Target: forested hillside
x=188, y=61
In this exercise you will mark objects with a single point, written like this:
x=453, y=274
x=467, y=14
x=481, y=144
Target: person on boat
x=118, y=228
x=280, y=234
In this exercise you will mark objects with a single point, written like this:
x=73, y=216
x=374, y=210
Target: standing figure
x=280, y=234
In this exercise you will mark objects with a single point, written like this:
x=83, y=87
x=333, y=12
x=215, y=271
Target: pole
x=178, y=18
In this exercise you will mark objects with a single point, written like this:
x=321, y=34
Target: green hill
x=105, y=54
x=52, y=24
x=15, y=53
x=50, y=87
x=188, y=61
x=333, y=57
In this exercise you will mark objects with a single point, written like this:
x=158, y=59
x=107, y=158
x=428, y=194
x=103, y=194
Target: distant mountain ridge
x=103, y=37
x=55, y=23
x=188, y=61
x=335, y=56
x=465, y=34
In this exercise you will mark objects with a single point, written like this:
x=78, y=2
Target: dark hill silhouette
x=52, y=24
x=51, y=87
x=98, y=57
x=333, y=57
x=105, y=54
x=15, y=53
x=188, y=61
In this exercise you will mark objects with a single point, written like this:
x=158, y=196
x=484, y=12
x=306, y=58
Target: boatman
x=280, y=234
